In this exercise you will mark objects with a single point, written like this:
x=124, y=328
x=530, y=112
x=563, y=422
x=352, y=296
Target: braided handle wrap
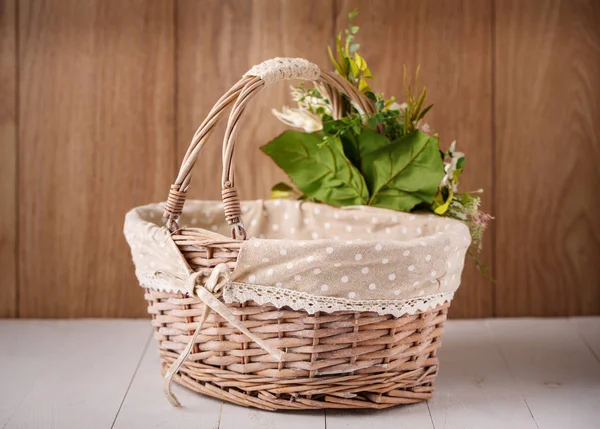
x=231, y=205
x=174, y=205
x=277, y=69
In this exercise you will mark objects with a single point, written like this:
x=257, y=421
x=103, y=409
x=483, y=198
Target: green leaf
x=349, y=41
x=363, y=86
x=371, y=141
x=357, y=145
x=334, y=62
x=350, y=145
x=424, y=112
x=323, y=173
x=360, y=61
x=354, y=70
x=420, y=103
x=408, y=125
x=340, y=52
x=440, y=206
x=282, y=186
x=281, y=191
x=404, y=173
x=456, y=175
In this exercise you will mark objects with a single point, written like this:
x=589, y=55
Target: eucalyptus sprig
x=349, y=63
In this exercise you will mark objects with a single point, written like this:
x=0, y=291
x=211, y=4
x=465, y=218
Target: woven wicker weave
x=334, y=360
x=337, y=360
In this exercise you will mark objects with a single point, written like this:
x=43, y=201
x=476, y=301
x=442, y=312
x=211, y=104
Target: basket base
x=347, y=392
x=335, y=360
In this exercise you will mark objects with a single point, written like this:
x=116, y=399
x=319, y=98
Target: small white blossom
x=309, y=102
x=396, y=106
x=299, y=118
x=424, y=127
x=450, y=167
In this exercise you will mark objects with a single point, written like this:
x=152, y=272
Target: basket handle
x=239, y=95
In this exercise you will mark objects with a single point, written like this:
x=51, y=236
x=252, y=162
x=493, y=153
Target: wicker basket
x=342, y=359
x=394, y=357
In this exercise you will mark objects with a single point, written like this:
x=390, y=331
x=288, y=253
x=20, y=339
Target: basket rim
x=304, y=272
x=216, y=205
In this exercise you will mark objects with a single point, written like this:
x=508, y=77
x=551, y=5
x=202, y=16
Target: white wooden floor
x=519, y=373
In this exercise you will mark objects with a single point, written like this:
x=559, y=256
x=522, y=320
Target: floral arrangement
x=389, y=159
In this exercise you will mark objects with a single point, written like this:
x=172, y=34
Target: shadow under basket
x=333, y=360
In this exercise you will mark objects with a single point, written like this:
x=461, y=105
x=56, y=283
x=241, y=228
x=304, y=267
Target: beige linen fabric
x=315, y=257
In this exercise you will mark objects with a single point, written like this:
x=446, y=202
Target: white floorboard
x=81, y=381
x=589, y=329
x=23, y=344
x=408, y=417
x=236, y=417
x=87, y=374
x=475, y=388
x=553, y=369
x=146, y=406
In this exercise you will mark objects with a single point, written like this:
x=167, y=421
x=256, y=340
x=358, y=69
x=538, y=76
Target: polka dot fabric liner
x=350, y=255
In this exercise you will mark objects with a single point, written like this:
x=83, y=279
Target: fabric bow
x=208, y=294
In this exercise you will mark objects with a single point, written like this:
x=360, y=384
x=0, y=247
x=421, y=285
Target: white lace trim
x=279, y=297
x=161, y=283
x=277, y=69
x=240, y=292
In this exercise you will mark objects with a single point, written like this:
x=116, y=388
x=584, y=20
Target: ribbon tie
x=208, y=294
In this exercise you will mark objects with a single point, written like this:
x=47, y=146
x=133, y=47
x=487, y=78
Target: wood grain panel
x=99, y=100
x=96, y=139
x=451, y=42
x=8, y=159
x=548, y=127
x=218, y=41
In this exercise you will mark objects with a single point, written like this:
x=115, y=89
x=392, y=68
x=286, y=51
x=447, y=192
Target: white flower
x=447, y=179
x=298, y=118
x=451, y=166
x=424, y=127
x=308, y=102
x=396, y=106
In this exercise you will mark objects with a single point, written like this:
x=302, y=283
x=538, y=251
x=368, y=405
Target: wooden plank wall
x=96, y=137
x=99, y=100
x=8, y=159
x=547, y=124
